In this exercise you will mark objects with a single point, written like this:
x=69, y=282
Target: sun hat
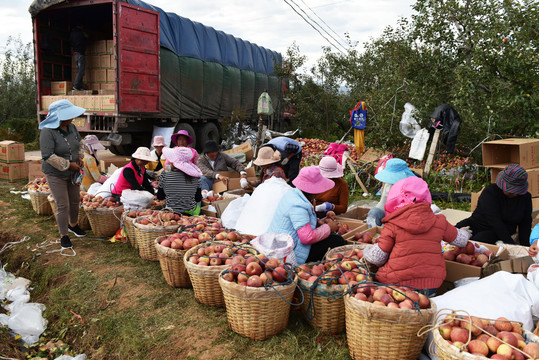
x=311, y=180
x=513, y=179
x=143, y=153
x=181, y=157
x=411, y=190
x=210, y=146
x=395, y=170
x=174, y=137
x=59, y=111
x=266, y=155
x=330, y=168
x=91, y=144
x=158, y=141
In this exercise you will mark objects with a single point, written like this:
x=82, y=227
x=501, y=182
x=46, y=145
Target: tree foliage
x=480, y=57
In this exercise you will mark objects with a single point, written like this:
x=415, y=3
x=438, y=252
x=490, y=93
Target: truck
x=147, y=68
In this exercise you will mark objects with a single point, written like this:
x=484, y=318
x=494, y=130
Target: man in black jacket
x=77, y=39
x=446, y=118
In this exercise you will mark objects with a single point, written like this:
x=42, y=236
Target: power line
x=329, y=27
x=313, y=27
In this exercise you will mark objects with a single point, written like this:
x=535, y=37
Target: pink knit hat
x=181, y=157
x=411, y=190
x=158, y=141
x=311, y=181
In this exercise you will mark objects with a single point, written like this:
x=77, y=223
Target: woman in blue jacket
x=295, y=216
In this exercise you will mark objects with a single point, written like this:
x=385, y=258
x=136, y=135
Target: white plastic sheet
x=279, y=246
x=257, y=214
x=105, y=190
x=136, y=199
x=67, y=357
x=165, y=132
x=408, y=124
x=419, y=145
x=232, y=212
x=27, y=321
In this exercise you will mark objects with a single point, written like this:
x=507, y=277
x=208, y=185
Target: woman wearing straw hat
x=62, y=159
x=157, y=152
x=502, y=208
x=267, y=159
x=91, y=171
x=183, y=139
x=395, y=170
x=295, y=216
x=336, y=198
x=408, y=251
x=134, y=175
x=181, y=185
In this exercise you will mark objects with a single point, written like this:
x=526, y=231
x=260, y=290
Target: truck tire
x=209, y=132
x=190, y=130
x=124, y=150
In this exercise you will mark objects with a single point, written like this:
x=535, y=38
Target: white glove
x=320, y=208
x=371, y=222
x=210, y=193
x=244, y=183
x=204, y=194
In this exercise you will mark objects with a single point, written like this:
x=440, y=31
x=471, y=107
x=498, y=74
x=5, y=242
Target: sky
x=272, y=24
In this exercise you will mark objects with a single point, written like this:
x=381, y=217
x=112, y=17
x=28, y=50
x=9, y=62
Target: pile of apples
x=316, y=148
x=469, y=254
x=257, y=271
x=160, y=218
x=156, y=202
x=212, y=199
x=182, y=241
x=342, y=228
x=456, y=330
x=38, y=184
x=333, y=272
x=366, y=237
x=355, y=255
x=222, y=253
x=397, y=297
x=99, y=202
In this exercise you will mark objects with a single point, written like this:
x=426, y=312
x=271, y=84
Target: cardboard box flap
x=373, y=155
x=244, y=148
x=221, y=205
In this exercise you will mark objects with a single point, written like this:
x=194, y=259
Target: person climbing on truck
x=77, y=40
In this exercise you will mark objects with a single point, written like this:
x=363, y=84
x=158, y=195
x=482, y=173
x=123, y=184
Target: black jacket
x=77, y=40
x=449, y=120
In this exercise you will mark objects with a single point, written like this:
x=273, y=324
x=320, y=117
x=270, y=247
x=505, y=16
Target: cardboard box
x=34, y=170
x=244, y=148
x=92, y=62
x=117, y=161
x=358, y=212
x=107, y=102
x=100, y=46
x=61, y=87
x=204, y=210
x=475, y=198
x=372, y=155
x=233, y=181
x=500, y=153
x=514, y=266
x=46, y=101
x=104, y=61
x=12, y=172
x=456, y=271
x=99, y=75
x=237, y=193
x=107, y=88
x=453, y=216
x=110, y=46
x=111, y=75
x=89, y=103
x=220, y=206
x=11, y=151
x=533, y=179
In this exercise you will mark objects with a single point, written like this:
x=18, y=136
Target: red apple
x=502, y=324
x=253, y=268
x=254, y=281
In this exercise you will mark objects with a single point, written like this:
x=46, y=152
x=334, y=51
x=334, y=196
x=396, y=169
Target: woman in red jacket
x=409, y=250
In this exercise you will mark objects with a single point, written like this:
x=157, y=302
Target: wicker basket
x=256, y=312
x=323, y=308
x=40, y=203
x=104, y=221
x=376, y=332
x=145, y=236
x=130, y=229
x=172, y=265
x=343, y=249
x=205, y=280
x=446, y=351
x=83, y=221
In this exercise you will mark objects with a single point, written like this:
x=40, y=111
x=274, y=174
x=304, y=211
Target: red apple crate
x=205, y=280
x=374, y=230
x=323, y=307
x=145, y=236
x=129, y=226
x=257, y=312
x=378, y=332
x=172, y=265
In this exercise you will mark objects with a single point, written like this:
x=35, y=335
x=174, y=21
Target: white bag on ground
x=27, y=321
x=279, y=246
x=67, y=357
x=257, y=214
x=105, y=191
x=94, y=188
x=500, y=294
x=232, y=212
x=419, y=145
x=136, y=199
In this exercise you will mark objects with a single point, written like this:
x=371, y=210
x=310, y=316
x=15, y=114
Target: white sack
x=419, y=145
x=232, y=212
x=105, y=191
x=279, y=246
x=257, y=214
x=136, y=199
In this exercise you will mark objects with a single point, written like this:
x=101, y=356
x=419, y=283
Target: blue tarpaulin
x=192, y=39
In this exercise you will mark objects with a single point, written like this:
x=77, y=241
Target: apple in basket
x=384, y=295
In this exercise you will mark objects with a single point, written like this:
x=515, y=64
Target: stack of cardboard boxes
x=99, y=79
x=12, y=165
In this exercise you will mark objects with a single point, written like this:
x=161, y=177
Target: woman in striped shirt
x=181, y=186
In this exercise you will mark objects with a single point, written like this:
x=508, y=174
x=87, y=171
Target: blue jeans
x=207, y=183
x=377, y=214
x=80, y=60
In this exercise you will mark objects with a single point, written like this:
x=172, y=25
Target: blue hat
x=395, y=170
x=59, y=111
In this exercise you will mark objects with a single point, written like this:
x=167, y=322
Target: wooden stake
x=432, y=151
x=356, y=176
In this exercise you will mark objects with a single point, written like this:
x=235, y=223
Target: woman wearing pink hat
x=295, y=216
x=181, y=185
x=157, y=152
x=336, y=198
x=409, y=249
x=183, y=139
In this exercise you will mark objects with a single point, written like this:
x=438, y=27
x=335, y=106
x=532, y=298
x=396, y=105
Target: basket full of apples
x=460, y=336
x=39, y=190
x=149, y=227
x=205, y=262
x=258, y=298
x=104, y=215
x=128, y=220
x=170, y=251
x=382, y=321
